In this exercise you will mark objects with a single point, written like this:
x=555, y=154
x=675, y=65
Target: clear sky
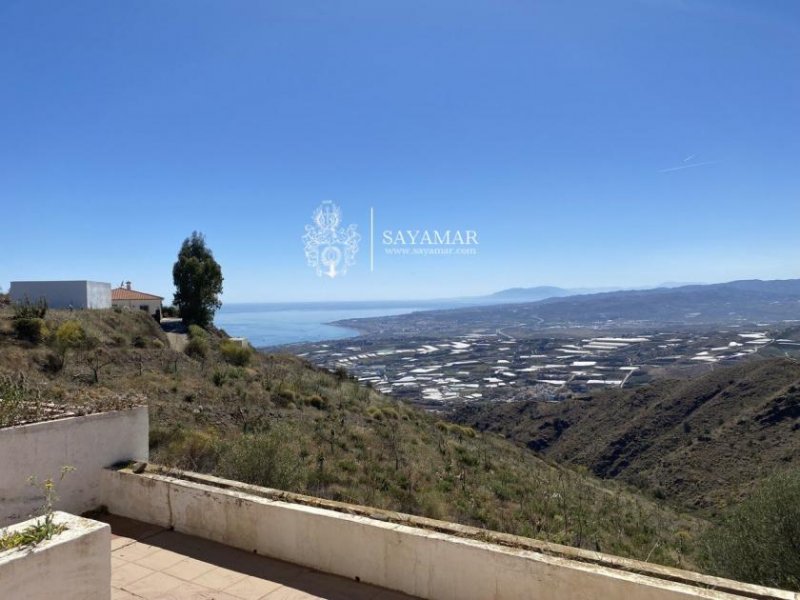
x=615, y=143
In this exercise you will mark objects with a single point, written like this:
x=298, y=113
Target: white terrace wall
x=73, y=565
x=87, y=443
x=421, y=562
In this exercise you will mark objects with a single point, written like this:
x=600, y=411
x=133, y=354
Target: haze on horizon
x=618, y=144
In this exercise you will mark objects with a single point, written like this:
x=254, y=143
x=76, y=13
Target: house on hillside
x=63, y=294
x=125, y=297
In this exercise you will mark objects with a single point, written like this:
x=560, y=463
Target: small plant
x=195, y=332
x=19, y=401
x=43, y=529
x=218, y=377
x=197, y=347
x=284, y=398
x=30, y=329
x=318, y=402
x=97, y=359
x=30, y=310
x=69, y=335
x=235, y=354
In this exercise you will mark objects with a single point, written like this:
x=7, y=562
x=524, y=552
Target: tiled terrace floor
x=149, y=562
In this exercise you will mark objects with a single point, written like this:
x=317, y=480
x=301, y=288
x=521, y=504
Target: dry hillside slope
x=702, y=442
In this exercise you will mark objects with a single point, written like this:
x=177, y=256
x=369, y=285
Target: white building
x=125, y=297
x=63, y=294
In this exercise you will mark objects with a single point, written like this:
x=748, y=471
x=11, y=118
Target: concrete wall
x=88, y=443
x=74, y=565
x=423, y=562
x=153, y=306
x=63, y=294
x=98, y=294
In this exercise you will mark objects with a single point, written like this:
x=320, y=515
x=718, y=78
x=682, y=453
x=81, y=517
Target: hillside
x=702, y=443
x=277, y=421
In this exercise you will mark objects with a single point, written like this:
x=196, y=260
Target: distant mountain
x=703, y=442
x=542, y=292
x=531, y=294
x=752, y=300
x=735, y=302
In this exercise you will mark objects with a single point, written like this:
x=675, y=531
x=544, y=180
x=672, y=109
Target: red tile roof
x=122, y=293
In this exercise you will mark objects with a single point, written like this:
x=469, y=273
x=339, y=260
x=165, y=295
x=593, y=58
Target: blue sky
x=552, y=128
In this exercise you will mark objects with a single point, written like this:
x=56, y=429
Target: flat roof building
x=63, y=294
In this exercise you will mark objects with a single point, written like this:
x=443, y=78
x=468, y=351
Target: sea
x=278, y=324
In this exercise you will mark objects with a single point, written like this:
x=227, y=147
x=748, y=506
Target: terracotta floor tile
x=252, y=588
x=160, y=560
x=134, y=552
x=219, y=578
x=287, y=593
x=192, y=591
x=154, y=585
x=118, y=541
x=188, y=569
x=122, y=595
x=128, y=573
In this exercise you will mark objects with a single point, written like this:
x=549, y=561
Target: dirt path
x=176, y=333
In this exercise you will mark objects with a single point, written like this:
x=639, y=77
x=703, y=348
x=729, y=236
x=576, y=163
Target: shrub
x=195, y=450
x=218, y=377
x=139, y=341
x=318, y=402
x=30, y=310
x=197, y=348
x=235, y=354
x=757, y=541
x=30, y=329
x=53, y=362
x=70, y=334
x=20, y=401
x=390, y=413
x=270, y=459
x=195, y=332
x=284, y=398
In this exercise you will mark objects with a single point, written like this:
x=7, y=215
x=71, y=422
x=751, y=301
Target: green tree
x=198, y=281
